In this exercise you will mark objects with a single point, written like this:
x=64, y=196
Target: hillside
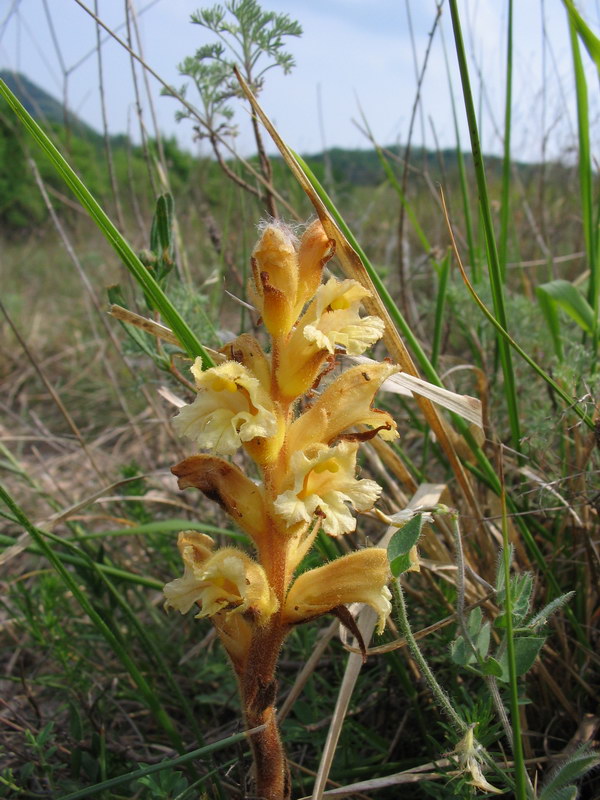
x=43, y=106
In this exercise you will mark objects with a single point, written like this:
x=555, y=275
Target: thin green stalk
x=79, y=561
x=462, y=175
x=434, y=686
x=505, y=197
x=440, y=306
x=520, y=771
x=168, y=763
x=186, y=336
x=586, y=178
x=493, y=260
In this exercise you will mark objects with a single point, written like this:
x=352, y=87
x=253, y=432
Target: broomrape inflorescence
x=306, y=456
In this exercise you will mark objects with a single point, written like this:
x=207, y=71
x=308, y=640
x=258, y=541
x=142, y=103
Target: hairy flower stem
x=259, y=690
x=436, y=689
x=258, y=684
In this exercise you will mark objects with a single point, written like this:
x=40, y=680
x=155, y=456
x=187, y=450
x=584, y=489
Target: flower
x=469, y=755
x=275, y=272
x=331, y=321
x=324, y=482
x=231, y=408
x=345, y=403
x=226, y=580
x=315, y=250
x=227, y=485
x=359, y=577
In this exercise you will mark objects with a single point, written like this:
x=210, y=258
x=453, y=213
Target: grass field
x=104, y=694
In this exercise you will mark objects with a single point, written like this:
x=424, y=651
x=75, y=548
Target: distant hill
x=43, y=106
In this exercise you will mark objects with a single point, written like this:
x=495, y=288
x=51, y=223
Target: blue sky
x=351, y=52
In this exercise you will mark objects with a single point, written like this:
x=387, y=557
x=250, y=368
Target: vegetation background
x=103, y=693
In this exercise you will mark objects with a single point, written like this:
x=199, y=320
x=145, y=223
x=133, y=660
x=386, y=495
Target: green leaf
x=482, y=641
x=492, y=667
x=566, y=793
x=401, y=543
x=526, y=651
x=550, y=312
x=162, y=241
x=573, y=769
x=460, y=652
x=542, y=616
x=474, y=623
x=569, y=299
x=521, y=589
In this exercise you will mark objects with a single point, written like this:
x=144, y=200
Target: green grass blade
x=155, y=706
x=80, y=561
x=515, y=719
x=166, y=527
x=153, y=768
x=495, y=275
x=505, y=198
x=586, y=177
x=394, y=182
x=589, y=39
x=462, y=177
x=186, y=336
x=386, y=297
x=572, y=302
x=440, y=306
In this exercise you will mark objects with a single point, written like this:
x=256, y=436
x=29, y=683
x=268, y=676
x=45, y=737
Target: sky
x=354, y=57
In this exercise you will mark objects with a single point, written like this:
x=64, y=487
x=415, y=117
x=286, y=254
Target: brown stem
x=229, y=172
x=259, y=690
x=266, y=168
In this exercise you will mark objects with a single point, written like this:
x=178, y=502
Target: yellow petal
x=359, y=577
x=316, y=248
x=323, y=483
x=331, y=321
x=275, y=271
x=227, y=580
x=345, y=403
x=231, y=408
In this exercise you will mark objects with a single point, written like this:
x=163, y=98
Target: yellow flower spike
x=231, y=408
x=227, y=580
x=346, y=402
x=359, y=577
x=227, y=485
x=323, y=482
x=275, y=272
x=330, y=322
x=315, y=250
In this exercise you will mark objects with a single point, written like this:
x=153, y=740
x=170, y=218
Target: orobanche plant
x=299, y=428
